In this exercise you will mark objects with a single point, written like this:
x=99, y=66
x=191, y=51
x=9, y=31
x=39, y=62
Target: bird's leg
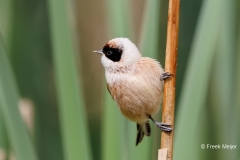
x=166, y=75
x=163, y=126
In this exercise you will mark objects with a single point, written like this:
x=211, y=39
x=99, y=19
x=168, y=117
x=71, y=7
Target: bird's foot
x=164, y=126
x=166, y=75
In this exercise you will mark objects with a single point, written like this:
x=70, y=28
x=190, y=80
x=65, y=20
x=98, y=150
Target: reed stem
x=170, y=66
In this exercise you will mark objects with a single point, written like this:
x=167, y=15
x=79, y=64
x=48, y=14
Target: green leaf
x=16, y=130
x=71, y=100
x=193, y=94
x=222, y=83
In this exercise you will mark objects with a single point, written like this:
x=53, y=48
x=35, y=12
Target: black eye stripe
x=113, y=54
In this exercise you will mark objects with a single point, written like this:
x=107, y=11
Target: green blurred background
x=49, y=76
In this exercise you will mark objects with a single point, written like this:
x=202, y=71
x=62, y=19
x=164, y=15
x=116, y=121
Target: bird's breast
x=139, y=91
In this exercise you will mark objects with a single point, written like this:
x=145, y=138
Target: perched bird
x=135, y=83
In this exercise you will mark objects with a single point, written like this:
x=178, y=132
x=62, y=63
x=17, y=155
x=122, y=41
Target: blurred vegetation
x=46, y=57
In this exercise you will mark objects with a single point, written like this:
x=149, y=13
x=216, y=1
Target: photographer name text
x=219, y=146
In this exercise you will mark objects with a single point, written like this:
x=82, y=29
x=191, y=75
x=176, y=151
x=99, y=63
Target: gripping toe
x=164, y=126
x=166, y=75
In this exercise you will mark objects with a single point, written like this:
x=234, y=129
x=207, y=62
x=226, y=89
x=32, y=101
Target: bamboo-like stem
x=170, y=66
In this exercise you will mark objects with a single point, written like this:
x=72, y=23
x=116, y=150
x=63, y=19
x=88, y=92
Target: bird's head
x=119, y=52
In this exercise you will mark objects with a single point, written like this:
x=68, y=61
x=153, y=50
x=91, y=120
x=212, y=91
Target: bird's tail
x=142, y=129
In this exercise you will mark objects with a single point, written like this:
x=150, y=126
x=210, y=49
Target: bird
x=135, y=83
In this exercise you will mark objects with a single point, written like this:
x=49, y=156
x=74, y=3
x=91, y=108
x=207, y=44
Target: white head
x=119, y=52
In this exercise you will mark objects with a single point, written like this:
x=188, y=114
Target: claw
x=164, y=126
x=166, y=75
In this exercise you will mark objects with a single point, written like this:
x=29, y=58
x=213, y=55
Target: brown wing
x=109, y=90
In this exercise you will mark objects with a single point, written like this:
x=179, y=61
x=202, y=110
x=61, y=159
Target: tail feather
x=142, y=130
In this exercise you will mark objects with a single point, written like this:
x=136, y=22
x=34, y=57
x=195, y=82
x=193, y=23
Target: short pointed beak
x=99, y=51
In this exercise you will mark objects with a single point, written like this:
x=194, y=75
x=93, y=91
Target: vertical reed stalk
x=170, y=66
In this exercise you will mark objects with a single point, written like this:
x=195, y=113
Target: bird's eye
x=109, y=53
